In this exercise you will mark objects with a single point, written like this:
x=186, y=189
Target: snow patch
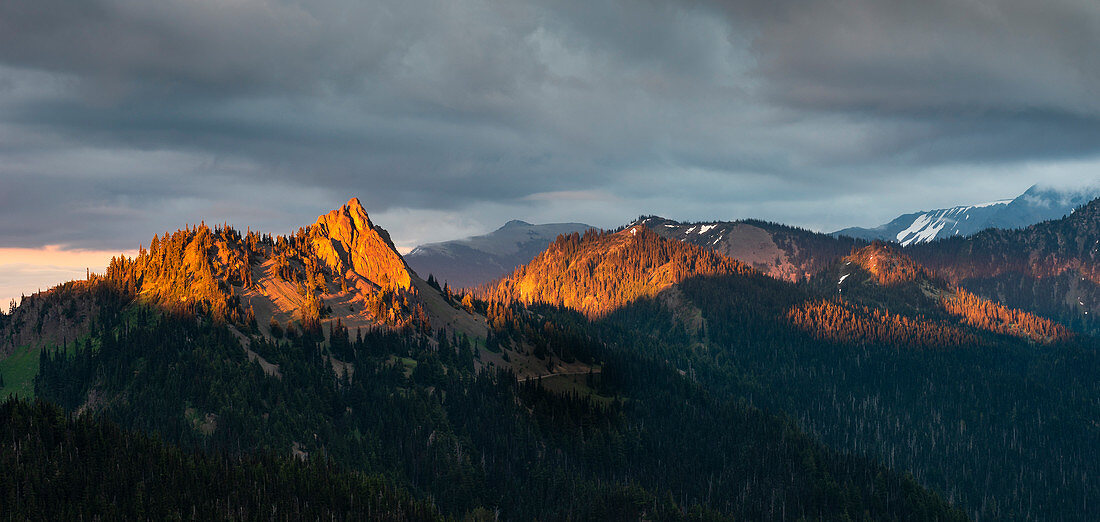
x=922, y=221
x=842, y=278
x=924, y=229
x=703, y=229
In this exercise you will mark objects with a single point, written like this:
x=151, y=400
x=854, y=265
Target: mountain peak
x=354, y=203
x=476, y=260
x=352, y=215
x=650, y=221
x=347, y=241
x=354, y=206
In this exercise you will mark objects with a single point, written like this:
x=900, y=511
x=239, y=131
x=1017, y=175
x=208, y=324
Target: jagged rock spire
x=347, y=241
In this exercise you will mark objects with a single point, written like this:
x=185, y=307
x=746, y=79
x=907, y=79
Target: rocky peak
x=347, y=241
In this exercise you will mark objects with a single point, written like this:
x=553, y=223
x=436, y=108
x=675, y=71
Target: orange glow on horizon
x=24, y=271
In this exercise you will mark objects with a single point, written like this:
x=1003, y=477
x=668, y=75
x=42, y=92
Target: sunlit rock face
x=347, y=241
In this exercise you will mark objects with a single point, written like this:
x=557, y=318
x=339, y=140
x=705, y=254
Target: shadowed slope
x=883, y=277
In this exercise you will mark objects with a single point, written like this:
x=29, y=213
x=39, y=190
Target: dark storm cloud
x=122, y=112
x=913, y=57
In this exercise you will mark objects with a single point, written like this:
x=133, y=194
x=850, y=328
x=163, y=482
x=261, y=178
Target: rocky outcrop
x=347, y=242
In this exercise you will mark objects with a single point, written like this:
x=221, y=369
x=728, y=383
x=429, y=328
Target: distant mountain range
x=466, y=263
x=1033, y=206
x=778, y=250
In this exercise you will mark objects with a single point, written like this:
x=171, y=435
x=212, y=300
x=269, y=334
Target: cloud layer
x=122, y=118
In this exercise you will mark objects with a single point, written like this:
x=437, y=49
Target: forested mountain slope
x=635, y=440
x=341, y=270
x=875, y=355
x=999, y=423
x=343, y=266
x=1047, y=269
x=1052, y=268
x=56, y=468
x=883, y=277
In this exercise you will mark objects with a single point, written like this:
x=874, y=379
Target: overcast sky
x=123, y=118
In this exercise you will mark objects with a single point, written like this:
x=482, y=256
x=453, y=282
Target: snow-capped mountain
x=1033, y=206
x=465, y=263
x=925, y=226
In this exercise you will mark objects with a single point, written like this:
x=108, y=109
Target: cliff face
x=348, y=243
x=54, y=317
